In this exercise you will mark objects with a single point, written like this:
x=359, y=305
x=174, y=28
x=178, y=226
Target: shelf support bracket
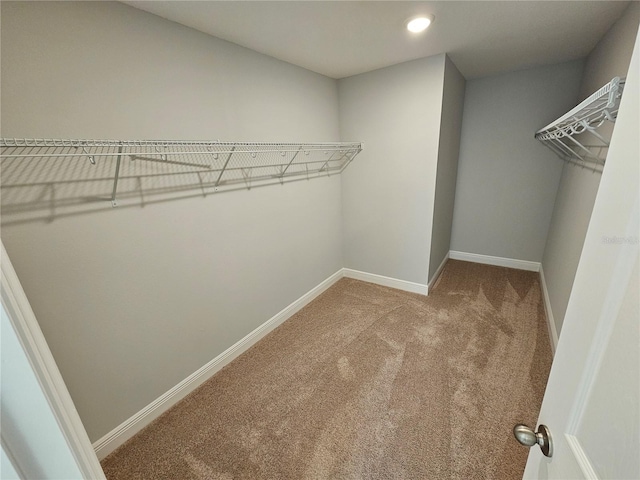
x=114, y=203
x=327, y=162
x=165, y=160
x=586, y=150
x=350, y=156
x=287, y=167
x=567, y=150
x=225, y=166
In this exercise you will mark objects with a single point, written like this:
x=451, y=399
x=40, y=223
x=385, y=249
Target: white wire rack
x=114, y=169
x=571, y=135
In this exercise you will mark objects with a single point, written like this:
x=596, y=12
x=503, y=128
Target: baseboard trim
x=433, y=281
x=386, y=281
x=551, y=324
x=116, y=437
x=497, y=261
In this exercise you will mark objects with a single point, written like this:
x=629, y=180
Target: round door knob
x=527, y=437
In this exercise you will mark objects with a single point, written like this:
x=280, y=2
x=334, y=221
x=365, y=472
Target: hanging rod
x=228, y=163
x=561, y=136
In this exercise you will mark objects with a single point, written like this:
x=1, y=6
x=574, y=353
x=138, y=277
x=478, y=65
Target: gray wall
x=446, y=176
x=133, y=300
x=507, y=180
x=388, y=192
x=578, y=187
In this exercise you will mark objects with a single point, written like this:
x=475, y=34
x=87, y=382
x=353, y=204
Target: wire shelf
x=570, y=136
x=115, y=169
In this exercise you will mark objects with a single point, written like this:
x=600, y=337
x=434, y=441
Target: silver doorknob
x=527, y=437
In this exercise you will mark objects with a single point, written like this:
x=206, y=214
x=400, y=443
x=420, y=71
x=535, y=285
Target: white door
x=42, y=436
x=592, y=402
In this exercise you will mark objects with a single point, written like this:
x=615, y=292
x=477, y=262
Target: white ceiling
x=344, y=38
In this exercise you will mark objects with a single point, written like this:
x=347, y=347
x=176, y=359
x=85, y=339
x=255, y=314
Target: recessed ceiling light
x=419, y=24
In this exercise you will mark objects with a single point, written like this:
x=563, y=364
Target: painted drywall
x=37, y=443
x=133, y=300
x=507, y=180
x=578, y=187
x=388, y=194
x=447, y=169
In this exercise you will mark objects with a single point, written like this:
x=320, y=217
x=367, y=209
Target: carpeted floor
x=368, y=382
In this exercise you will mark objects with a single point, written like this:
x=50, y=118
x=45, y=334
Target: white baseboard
x=386, y=281
x=498, y=261
x=438, y=272
x=112, y=440
x=551, y=324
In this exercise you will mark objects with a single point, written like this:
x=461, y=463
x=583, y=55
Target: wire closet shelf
x=127, y=166
x=574, y=136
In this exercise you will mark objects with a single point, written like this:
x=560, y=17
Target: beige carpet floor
x=367, y=382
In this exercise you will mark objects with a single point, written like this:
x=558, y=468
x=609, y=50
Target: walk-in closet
x=317, y=240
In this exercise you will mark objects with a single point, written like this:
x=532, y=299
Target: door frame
x=44, y=367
